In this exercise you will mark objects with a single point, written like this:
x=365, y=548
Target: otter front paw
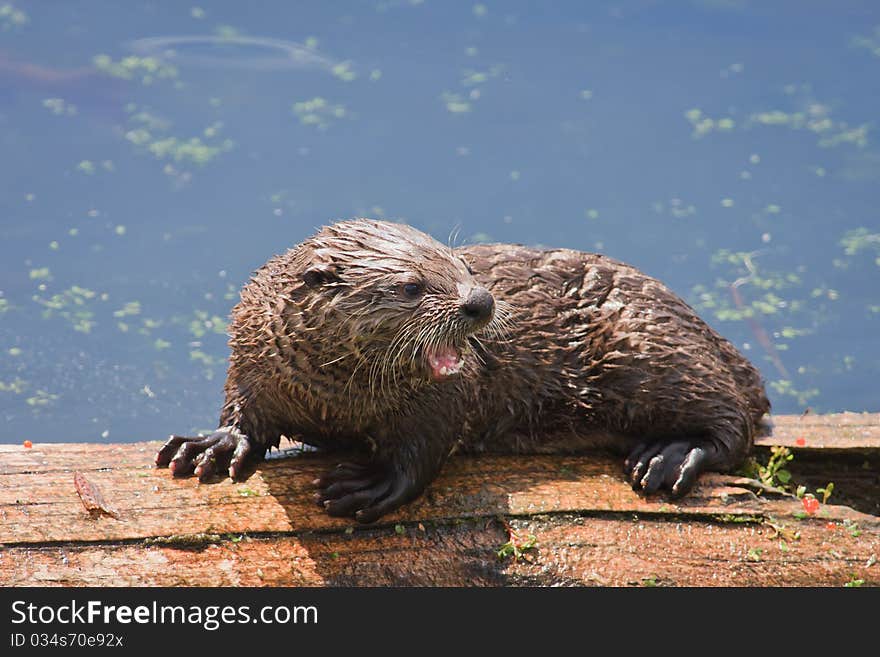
x=674, y=466
x=206, y=456
x=365, y=491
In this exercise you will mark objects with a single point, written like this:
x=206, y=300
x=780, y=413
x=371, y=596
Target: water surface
x=153, y=154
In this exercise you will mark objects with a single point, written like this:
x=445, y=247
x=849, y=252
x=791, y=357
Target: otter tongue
x=444, y=362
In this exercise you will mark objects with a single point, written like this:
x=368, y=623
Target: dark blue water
x=153, y=154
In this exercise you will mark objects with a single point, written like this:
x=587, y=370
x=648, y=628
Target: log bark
x=573, y=519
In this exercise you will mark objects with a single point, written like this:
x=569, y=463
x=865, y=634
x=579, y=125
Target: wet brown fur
x=583, y=351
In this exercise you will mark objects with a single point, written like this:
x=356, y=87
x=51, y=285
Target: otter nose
x=479, y=305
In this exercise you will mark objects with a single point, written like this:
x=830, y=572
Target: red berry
x=811, y=504
x=28, y=444
x=800, y=442
x=830, y=525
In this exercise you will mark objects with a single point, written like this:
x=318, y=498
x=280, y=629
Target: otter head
x=404, y=304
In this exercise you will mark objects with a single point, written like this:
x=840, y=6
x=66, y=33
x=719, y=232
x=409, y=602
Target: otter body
x=372, y=336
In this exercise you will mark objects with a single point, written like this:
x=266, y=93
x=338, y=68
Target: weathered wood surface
x=589, y=526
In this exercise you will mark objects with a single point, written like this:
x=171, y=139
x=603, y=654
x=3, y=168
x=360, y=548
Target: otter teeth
x=445, y=362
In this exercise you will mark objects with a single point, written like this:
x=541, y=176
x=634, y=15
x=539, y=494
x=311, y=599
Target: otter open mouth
x=444, y=362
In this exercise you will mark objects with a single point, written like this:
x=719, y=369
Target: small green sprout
x=826, y=492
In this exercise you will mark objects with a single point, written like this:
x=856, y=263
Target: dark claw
x=342, y=472
x=216, y=458
x=239, y=458
x=654, y=475
x=365, y=491
x=398, y=497
x=353, y=502
x=641, y=462
x=207, y=456
x=169, y=449
x=633, y=457
x=694, y=463
x=340, y=488
x=672, y=466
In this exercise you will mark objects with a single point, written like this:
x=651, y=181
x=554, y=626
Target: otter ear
x=321, y=274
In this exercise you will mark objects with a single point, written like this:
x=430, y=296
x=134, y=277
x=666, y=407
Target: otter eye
x=412, y=290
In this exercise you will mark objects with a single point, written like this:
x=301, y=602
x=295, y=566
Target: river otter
x=375, y=337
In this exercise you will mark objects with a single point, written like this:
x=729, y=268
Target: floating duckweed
x=119, y=230
x=480, y=10
x=318, y=112
x=150, y=324
x=161, y=344
x=59, y=107
x=227, y=31
x=702, y=125
x=786, y=387
x=138, y=136
x=343, y=71
x=375, y=75
x=586, y=94
x=818, y=120
x=592, y=213
x=197, y=13
x=772, y=209
x=791, y=332
x=871, y=42
x=11, y=17
x=72, y=305
x=87, y=167
x=860, y=239
x=213, y=129
x=455, y=103
x=472, y=78
x=193, y=150
x=14, y=351
x=4, y=305
x=727, y=202
x=676, y=207
x=41, y=399
x=857, y=136
x=54, y=245
x=40, y=274
x=206, y=359
x=16, y=386
x=130, y=308
x=203, y=323
x=147, y=69
x=148, y=120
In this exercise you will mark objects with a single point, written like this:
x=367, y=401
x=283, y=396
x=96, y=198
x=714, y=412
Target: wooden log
x=587, y=526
